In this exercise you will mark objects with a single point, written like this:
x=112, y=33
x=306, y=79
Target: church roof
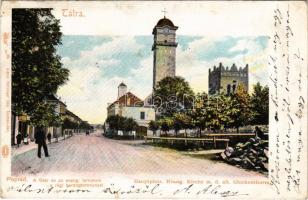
x=165, y=21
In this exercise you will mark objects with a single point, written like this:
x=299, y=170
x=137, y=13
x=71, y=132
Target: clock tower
x=164, y=50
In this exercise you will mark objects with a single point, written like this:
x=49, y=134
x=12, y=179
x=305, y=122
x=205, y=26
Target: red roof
x=128, y=99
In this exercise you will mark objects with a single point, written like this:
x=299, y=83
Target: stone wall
x=225, y=80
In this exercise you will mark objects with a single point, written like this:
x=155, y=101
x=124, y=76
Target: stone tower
x=225, y=80
x=164, y=50
x=122, y=89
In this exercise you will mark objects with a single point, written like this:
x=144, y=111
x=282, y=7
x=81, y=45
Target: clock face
x=165, y=30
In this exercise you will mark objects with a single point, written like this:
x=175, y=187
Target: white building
x=129, y=105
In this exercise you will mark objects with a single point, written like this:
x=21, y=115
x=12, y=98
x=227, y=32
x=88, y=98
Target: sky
x=103, y=49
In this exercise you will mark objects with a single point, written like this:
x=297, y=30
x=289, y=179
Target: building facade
x=164, y=50
x=21, y=123
x=130, y=106
x=225, y=80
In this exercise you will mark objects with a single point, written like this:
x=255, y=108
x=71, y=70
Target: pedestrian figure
x=49, y=137
x=40, y=140
x=18, y=138
x=26, y=139
x=87, y=133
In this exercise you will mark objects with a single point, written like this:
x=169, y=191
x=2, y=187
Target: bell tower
x=164, y=50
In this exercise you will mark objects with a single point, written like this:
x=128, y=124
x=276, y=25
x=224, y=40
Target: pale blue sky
x=129, y=59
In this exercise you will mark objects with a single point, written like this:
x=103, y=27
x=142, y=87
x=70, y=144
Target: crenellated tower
x=226, y=80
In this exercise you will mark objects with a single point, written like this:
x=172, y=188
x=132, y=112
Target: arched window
x=228, y=89
x=233, y=88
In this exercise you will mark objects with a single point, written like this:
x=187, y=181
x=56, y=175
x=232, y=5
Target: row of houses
x=20, y=123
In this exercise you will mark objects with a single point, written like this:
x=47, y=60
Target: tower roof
x=122, y=84
x=165, y=21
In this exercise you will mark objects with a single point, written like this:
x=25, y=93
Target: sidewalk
x=24, y=147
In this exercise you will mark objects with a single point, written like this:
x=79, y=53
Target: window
x=142, y=115
x=228, y=89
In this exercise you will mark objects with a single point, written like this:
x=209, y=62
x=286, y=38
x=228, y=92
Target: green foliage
x=198, y=114
x=217, y=116
x=44, y=115
x=165, y=124
x=117, y=122
x=220, y=111
x=85, y=125
x=69, y=124
x=239, y=111
x=129, y=124
x=181, y=121
x=153, y=126
x=173, y=94
x=259, y=103
x=36, y=68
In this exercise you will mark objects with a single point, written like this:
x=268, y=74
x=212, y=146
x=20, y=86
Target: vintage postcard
x=153, y=99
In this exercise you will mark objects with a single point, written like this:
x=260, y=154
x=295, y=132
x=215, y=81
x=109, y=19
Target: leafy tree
x=68, y=124
x=177, y=123
x=198, y=114
x=165, y=124
x=129, y=124
x=153, y=126
x=181, y=121
x=117, y=122
x=44, y=115
x=173, y=94
x=36, y=68
x=239, y=110
x=259, y=103
x=85, y=125
x=217, y=116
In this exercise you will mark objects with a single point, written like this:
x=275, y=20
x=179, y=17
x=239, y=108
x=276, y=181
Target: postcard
x=153, y=99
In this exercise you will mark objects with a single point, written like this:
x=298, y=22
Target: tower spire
x=164, y=11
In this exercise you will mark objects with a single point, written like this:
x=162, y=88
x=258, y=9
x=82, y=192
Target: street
x=96, y=155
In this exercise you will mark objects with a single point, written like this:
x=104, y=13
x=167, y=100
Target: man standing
x=18, y=137
x=40, y=139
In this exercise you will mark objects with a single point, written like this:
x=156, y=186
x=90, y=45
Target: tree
x=239, y=110
x=68, y=124
x=165, y=124
x=177, y=123
x=217, y=112
x=259, y=103
x=44, y=115
x=85, y=125
x=36, y=68
x=171, y=95
x=117, y=122
x=181, y=121
x=129, y=124
x=153, y=126
x=198, y=114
